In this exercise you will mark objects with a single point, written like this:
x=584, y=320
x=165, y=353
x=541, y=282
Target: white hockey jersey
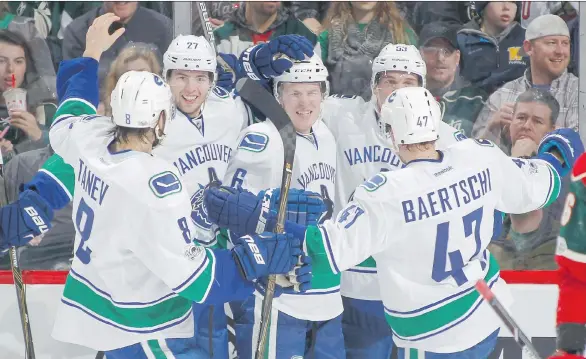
x=428, y=227
x=136, y=271
x=361, y=154
x=200, y=149
x=258, y=164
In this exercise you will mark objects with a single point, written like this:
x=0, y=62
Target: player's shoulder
x=258, y=138
x=384, y=185
x=153, y=182
x=449, y=135
x=221, y=95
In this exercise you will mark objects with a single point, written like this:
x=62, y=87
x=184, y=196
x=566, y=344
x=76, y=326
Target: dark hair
x=540, y=96
x=17, y=39
x=121, y=134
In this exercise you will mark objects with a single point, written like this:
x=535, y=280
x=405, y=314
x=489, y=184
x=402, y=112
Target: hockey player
x=136, y=269
x=198, y=143
x=307, y=325
x=362, y=152
x=571, y=259
x=428, y=226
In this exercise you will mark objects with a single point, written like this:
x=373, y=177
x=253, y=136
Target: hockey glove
x=262, y=62
x=567, y=143
x=296, y=281
x=242, y=212
x=263, y=254
x=228, y=67
x=24, y=219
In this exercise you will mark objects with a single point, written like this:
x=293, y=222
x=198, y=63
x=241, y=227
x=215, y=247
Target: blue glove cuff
x=556, y=164
x=247, y=59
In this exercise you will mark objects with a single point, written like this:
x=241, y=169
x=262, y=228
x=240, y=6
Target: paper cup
x=15, y=99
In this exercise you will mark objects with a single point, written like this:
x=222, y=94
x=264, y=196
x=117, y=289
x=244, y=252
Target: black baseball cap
x=436, y=30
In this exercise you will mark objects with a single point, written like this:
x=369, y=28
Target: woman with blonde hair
x=355, y=32
x=136, y=56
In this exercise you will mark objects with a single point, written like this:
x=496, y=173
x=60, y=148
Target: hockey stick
x=208, y=31
x=510, y=323
x=257, y=96
x=19, y=285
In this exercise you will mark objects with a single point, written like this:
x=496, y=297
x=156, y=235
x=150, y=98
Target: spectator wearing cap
x=438, y=44
x=459, y=101
x=528, y=240
x=491, y=46
x=141, y=24
x=547, y=43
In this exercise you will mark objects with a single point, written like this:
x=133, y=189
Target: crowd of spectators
x=504, y=71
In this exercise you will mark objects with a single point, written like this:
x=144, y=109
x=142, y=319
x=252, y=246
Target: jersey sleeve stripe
x=67, y=190
x=80, y=293
x=198, y=285
x=317, y=245
x=74, y=107
x=554, y=186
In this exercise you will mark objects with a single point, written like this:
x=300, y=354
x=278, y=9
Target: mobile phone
x=115, y=26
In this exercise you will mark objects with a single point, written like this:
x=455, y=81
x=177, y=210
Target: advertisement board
x=534, y=309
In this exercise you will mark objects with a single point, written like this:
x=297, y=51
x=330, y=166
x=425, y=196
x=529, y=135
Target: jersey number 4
x=441, y=255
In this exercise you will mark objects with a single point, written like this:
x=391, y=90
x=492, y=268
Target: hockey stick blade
x=506, y=318
x=265, y=102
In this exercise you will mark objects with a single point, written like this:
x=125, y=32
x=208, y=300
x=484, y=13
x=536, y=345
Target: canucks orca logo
x=254, y=142
x=460, y=136
x=220, y=92
x=375, y=182
x=199, y=215
x=164, y=184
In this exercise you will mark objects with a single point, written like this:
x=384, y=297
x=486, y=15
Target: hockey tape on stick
x=510, y=323
x=265, y=102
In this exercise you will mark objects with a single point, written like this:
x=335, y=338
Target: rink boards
x=534, y=309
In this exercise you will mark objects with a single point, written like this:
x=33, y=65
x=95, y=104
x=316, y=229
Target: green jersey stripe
x=418, y=324
x=155, y=348
x=201, y=283
x=555, y=187
x=74, y=107
x=325, y=275
x=145, y=316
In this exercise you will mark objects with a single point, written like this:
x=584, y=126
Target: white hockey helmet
x=139, y=98
x=308, y=70
x=190, y=52
x=400, y=57
x=410, y=115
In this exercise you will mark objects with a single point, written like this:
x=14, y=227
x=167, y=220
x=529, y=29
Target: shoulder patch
x=460, y=136
x=343, y=96
x=375, y=182
x=165, y=184
x=220, y=92
x=483, y=142
x=254, y=142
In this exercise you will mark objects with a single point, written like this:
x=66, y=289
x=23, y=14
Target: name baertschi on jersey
x=447, y=198
x=203, y=154
x=317, y=171
x=372, y=153
x=91, y=183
